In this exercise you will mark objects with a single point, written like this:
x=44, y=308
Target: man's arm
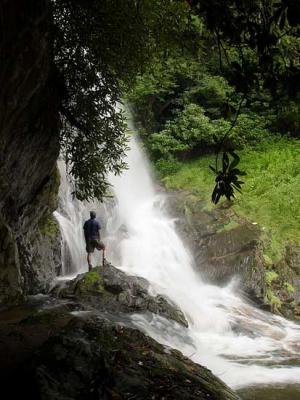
x=85, y=230
x=99, y=228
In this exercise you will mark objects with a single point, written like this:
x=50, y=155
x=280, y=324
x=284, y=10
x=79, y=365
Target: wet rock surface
x=226, y=247
x=107, y=288
x=222, y=249
x=83, y=345
x=93, y=358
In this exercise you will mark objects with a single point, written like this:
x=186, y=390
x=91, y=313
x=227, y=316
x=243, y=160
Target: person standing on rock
x=91, y=230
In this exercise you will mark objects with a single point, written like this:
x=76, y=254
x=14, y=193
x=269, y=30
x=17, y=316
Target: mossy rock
x=107, y=288
x=49, y=226
x=91, y=283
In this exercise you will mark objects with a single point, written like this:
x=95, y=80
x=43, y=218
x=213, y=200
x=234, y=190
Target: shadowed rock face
x=94, y=359
x=91, y=357
x=29, y=144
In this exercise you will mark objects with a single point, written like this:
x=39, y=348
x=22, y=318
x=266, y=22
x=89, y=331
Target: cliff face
x=29, y=147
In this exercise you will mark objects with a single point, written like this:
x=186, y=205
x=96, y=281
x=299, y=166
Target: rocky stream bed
x=79, y=343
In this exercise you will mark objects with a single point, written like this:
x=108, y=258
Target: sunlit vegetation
x=270, y=194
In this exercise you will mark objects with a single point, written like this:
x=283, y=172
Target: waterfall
x=239, y=343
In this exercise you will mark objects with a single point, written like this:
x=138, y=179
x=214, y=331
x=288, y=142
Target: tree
x=267, y=29
x=99, y=46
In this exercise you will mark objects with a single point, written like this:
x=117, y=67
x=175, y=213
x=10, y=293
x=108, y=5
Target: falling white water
x=240, y=344
x=71, y=215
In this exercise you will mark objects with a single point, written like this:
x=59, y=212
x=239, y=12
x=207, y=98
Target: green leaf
x=225, y=162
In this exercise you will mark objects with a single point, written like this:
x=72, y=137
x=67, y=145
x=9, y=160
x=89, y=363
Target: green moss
x=289, y=287
x=228, y=227
x=91, y=282
x=48, y=197
x=274, y=300
x=267, y=260
x=49, y=226
x=270, y=276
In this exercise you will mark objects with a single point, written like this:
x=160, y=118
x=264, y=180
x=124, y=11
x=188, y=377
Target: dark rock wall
x=29, y=141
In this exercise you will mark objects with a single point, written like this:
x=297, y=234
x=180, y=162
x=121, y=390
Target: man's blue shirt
x=91, y=229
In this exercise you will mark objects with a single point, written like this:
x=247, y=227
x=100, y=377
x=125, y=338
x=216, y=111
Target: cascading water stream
x=239, y=343
x=69, y=216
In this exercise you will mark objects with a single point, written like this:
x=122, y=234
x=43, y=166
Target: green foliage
x=267, y=261
x=270, y=277
x=288, y=118
x=49, y=226
x=274, y=300
x=99, y=47
x=167, y=166
x=189, y=129
x=289, y=287
x=250, y=129
x=227, y=179
x=263, y=27
x=270, y=193
x=192, y=130
x=213, y=93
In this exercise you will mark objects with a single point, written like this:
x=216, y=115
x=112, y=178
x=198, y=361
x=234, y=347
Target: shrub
x=167, y=166
x=191, y=129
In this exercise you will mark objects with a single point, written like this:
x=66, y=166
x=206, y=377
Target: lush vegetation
x=207, y=60
x=270, y=195
x=239, y=91
x=98, y=48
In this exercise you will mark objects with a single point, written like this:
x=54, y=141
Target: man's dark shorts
x=93, y=244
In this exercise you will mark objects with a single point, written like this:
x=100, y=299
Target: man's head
x=93, y=214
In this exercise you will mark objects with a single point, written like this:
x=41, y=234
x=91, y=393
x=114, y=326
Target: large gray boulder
x=107, y=288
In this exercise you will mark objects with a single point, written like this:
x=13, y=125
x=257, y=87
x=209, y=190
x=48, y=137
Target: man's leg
x=89, y=260
x=101, y=246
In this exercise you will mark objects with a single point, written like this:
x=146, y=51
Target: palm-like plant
x=227, y=180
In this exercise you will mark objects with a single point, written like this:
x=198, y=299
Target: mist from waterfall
x=239, y=343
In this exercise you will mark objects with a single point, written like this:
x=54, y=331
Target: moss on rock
x=92, y=282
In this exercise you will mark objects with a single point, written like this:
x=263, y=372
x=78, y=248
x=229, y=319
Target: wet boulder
x=107, y=288
x=95, y=359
